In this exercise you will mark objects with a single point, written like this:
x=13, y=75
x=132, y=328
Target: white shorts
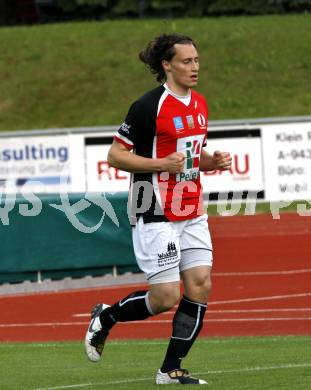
x=164, y=249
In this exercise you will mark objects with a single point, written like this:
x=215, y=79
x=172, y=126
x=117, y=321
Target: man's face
x=183, y=68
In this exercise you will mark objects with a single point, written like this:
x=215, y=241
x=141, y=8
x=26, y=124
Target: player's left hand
x=222, y=160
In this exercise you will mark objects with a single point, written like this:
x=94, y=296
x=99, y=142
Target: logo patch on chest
x=190, y=121
x=202, y=121
x=178, y=123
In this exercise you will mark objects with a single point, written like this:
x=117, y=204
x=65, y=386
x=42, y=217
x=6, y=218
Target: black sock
x=187, y=323
x=134, y=307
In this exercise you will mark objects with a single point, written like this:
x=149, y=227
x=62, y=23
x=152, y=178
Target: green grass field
x=228, y=363
x=87, y=74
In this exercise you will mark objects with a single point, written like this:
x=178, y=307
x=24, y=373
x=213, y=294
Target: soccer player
x=161, y=143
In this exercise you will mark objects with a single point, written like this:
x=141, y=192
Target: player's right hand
x=174, y=162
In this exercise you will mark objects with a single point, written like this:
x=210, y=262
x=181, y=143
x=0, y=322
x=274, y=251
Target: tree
x=7, y=12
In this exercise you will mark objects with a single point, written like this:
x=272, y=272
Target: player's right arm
x=119, y=156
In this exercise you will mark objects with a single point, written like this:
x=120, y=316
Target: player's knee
x=165, y=298
x=200, y=288
x=205, y=285
x=169, y=298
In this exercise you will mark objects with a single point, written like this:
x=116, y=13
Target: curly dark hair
x=162, y=48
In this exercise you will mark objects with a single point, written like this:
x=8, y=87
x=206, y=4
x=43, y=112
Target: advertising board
x=287, y=161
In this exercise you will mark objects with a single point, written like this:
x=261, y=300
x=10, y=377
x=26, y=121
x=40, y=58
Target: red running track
x=262, y=286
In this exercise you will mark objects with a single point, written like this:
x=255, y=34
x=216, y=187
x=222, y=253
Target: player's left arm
x=217, y=161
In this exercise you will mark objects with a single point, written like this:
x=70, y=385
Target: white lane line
x=39, y=324
x=300, y=309
x=226, y=320
x=258, y=273
x=271, y=297
x=55, y=324
x=170, y=312
x=144, y=282
x=211, y=372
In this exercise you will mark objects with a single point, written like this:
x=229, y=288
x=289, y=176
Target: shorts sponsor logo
x=168, y=257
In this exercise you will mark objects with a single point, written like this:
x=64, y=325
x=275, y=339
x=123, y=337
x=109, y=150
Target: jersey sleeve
x=130, y=129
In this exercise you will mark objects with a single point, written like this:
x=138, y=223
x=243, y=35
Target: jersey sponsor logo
x=178, y=123
x=191, y=147
x=190, y=121
x=201, y=120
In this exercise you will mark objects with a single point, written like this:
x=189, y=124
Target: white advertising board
x=273, y=160
x=246, y=173
x=77, y=163
x=100, y=176
x=287, y=161
x=35, y=164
